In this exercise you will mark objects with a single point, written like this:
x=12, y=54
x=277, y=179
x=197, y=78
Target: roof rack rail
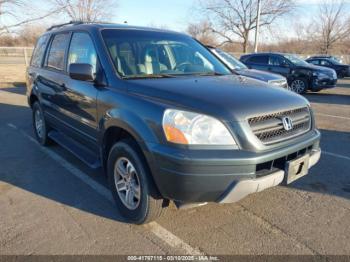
x=65, y=24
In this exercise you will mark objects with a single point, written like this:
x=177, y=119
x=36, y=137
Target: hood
x=229, y=98
x=317, y=68
x=260, y=75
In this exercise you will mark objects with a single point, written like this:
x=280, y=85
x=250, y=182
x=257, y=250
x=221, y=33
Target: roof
x=92, y=25
x=266, y=53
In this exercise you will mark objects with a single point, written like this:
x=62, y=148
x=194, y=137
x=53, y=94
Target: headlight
x=320, y=75
x=183, y=127
x=279, y=83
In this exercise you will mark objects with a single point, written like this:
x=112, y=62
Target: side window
x=324, y=62
x=260, y=59
x=82, y=50
x=314, y=62
x=277, y=61
x=57, y=51
x=39, y=51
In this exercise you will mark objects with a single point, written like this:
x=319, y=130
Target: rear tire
x=40, y=126
x=299, y=86
x=128, y=171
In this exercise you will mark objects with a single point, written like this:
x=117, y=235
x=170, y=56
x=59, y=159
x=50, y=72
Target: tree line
x=228, y=24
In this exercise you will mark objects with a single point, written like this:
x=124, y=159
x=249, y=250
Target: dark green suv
x=165, y=118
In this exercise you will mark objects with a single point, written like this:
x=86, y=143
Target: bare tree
x=87, y=10
x=10, y=9
x=232, y=19
x=332, y=24
x=202, y=32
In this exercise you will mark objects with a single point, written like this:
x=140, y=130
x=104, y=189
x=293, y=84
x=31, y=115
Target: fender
x=130, y=122
x=135, y=126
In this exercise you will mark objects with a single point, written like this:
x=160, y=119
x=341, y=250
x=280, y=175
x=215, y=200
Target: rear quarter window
x=264, y=60
x=39, y=51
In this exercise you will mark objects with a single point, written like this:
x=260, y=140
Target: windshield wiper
x=149, y=76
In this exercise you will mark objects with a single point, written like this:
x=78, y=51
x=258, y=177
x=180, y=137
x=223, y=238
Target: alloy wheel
x=298, y=86
x=127, y=183
x=39, y=123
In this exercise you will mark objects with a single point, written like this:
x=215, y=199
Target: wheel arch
x=127, y=127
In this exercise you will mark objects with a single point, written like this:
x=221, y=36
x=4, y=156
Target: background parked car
x=301, y=76
x=241, y=69
x=341, y=69
x=328, y=56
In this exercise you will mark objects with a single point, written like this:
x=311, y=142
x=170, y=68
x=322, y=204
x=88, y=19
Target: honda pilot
x=164, y=118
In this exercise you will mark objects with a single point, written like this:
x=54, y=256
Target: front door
x=279, y=65
x=80, y=105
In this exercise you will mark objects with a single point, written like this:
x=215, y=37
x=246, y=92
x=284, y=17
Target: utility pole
x=257, y=27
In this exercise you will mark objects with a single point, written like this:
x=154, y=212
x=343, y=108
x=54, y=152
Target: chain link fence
x=15, y=55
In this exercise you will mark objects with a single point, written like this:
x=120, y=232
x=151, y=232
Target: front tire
x=40, y=126
x=131, y=184
x=299, y=86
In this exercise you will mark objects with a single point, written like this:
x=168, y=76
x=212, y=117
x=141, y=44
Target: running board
x=77, y=149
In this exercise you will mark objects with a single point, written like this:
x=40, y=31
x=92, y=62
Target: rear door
x=52, y=76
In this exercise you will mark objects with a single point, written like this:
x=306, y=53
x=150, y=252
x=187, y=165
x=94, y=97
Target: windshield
x=230, y=60
x=335, y=61
x=296, y=60
x=150, y=54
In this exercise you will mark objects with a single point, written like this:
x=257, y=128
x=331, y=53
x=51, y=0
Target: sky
x=175, y=14
x=171, y=14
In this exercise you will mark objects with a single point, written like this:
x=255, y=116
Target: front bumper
x=319, y=84
x=249, y=186
x=192, y=176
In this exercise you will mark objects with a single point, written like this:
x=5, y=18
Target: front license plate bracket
x=297, y=168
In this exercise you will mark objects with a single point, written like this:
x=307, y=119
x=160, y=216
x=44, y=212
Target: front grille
x=269, y=128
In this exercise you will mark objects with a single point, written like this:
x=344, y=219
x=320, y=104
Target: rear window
x=57, y=51
x=259, y=59
x=39, y=51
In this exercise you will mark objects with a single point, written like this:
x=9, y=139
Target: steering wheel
x=181, y=66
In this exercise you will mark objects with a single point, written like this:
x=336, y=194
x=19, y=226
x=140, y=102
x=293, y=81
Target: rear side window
x=82, y=50
x=262, y=59
x=39, y=51
x=57, y=51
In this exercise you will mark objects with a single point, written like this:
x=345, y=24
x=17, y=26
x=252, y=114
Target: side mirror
x=82, y=72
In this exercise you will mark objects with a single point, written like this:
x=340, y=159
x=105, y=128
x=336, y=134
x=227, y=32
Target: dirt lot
x=52, y=204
